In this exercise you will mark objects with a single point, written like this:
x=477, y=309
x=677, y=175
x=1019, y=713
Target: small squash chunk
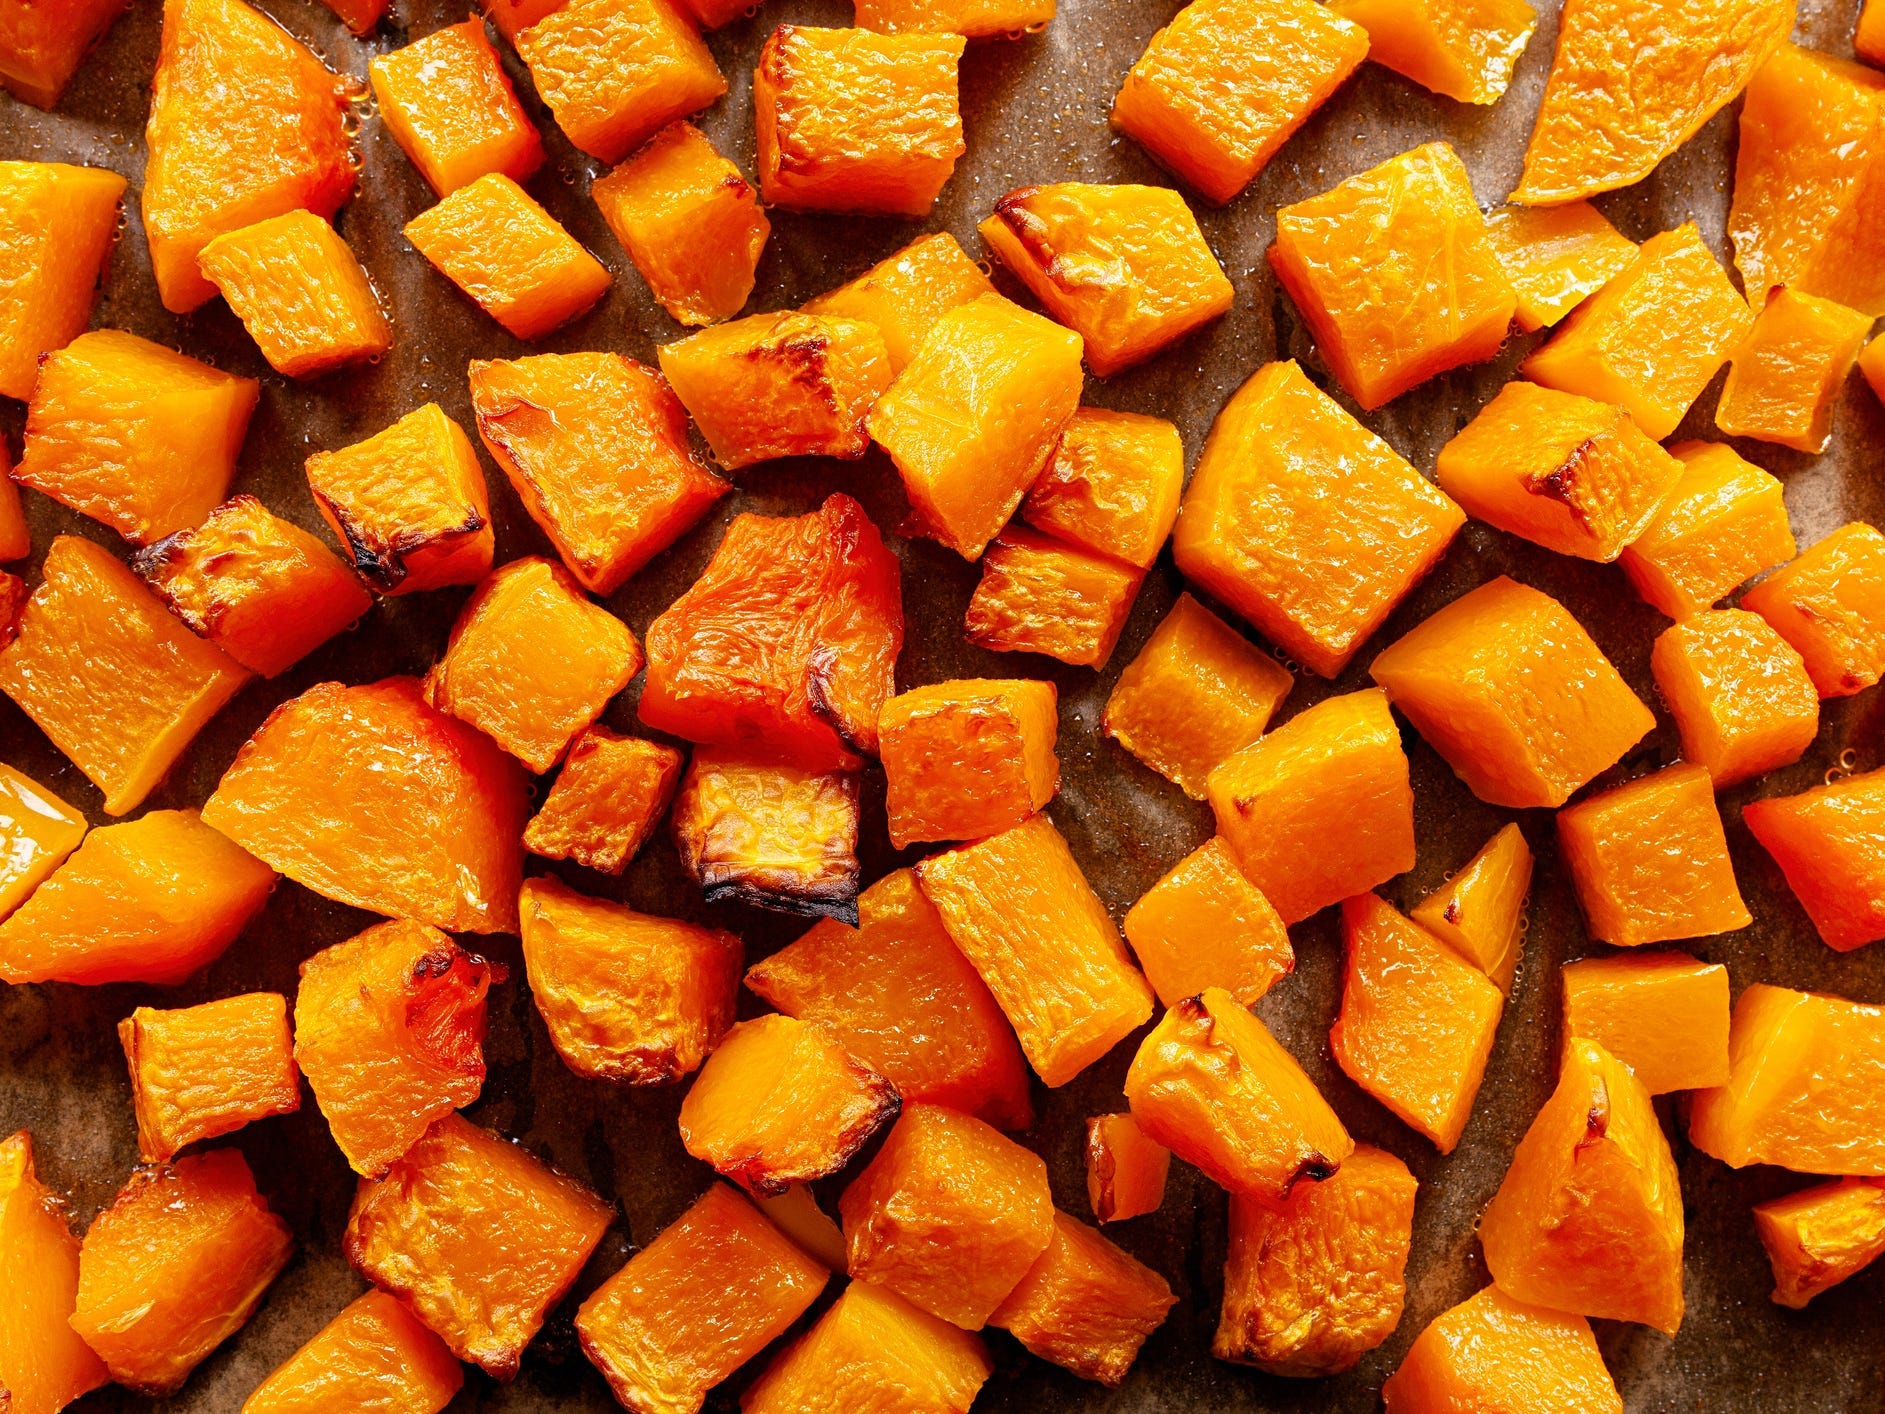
x=1394, y=274
x=769, y=834
x=1872, y=357
x=1417, y=1021
x=448, y=102
x=301, y=293
x=874, y=1350
x=1464, y=49
x=1206, y=925
x=1512, y=691
x=245, y=123
x=1041, y=595
x=1562, y=471
x=1830, y=605
x=787, y=643
x=174, y=1267
x=492, y=240
x=1827, y=842
x=1494, y=1353
x=1664, y=1015
x=477, y=1238
x=150, y=900
x=1225, y=84
x=596, y=446
x=972, y=19
x=1739, y=693
x=1198, y=692
x=1085, y=1305
x=1555, y=256
x=369, y=797
x=207, y=1070
x=360, y=16
x=38, y=830
x=949, y=1215
x=1125, y=1171
x=848, y=120
x=906, y=293
x=389, y=1029
x=712, y=1291
x=408, y=505
x=1305, y=522
x=897, y=993
x=260, y=588
x=1724, y=523
x=57, y=226
x=1480, y=911
x=41, y=47
x=136, y=436
x=1787, y=375
x=44, y=1365
x=968, y=758
x=616, y=72
x=780, y=385
x=1021, y=911
x=606, y=800
x=374, y=1356
x=1589, y=1216
x=1819, y=1236
x=973, y=418
x=1111, y=486
x=626, y=996
x=1319, y=809
x=1650, y=340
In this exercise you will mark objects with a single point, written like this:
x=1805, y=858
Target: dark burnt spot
x=1452, y=911
x=1315, y=1168
x=821, y=674
x=736, y=184
x=1564, y=483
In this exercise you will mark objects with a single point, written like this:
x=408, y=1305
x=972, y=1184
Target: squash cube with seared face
x=972, y=19
x=1830, y=605
x=448, y=102
x=1724, y=523
x=968, y=758
x=375, y=1350
x=206, y=1070
x=301, y=293
x=57, y=225
x=606, y=800
x=769, y=834
x=1042, y=595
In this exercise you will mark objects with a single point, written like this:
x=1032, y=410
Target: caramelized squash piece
x=360, y=16
x=1464, y=49
x=13, y=597
x=57, y=226
x=301, y=293
x=1739, y=693
x=374, y=1357
x=1111, y=485
x=972, y=19
x=606, y=800
x=448, y=102
x=1206, y=925
x=1125, y=1171
x=1868, y=40
x=1872, y=360
x=1786, y=377
x=41, y=47
x=1555, y=256
x=1042, y=595
x=513, y=17
x=203, y=1071
x=16, y=541
x=1664, y=1015
x=1724, y=523
x=906, y=293
x=1819, y=1236
x=968, y=758
x=1492, y=1352
x=1830, y=605
x=44, y=1365
x=772, y=835
x=1480, y=911
x=1827, y=842
x=38, y=830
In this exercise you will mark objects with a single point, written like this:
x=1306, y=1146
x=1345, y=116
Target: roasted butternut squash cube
x=301, y=293
x=1664, y=1015
x=906, y=293
x=707, y=1295
x=174, y=1267
x=149, y=900
x=1739, y=693
x=1041, y=595
x=972, y=19
x=369, y=797
x=1125, y=1171
x=973, y=418
x=448, y=102
x=245, y=123
x=1830, y=605
x=1494, y=1352
x=1464, y=49
x=41, y=47
x=968, y=758
x=38, y=830
x=1394, y=274
x=606, y=800
x=57, y=226
x=1649, y=341
x=373, y=1356
x=260, y=588
x=626, y=996
x=206, y=1070
x=1724, y=523
x=769, y=834
x=1305, y=522
x=1319, y=809
x=1555, y=256
x=136, y=436
x=389, y=1029
x=44, y=1365
x=949, y=1215
x=1226, y=83
x=1786, y=376
x=1511, y=690
x=1819, y=1236
x=1479, y=912
x=477, y=1238
x=1825, y=841
x=1206, y=925
x=1111, y=486
x=513, y=17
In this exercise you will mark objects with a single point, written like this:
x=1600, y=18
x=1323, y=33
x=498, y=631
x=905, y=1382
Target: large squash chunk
x=1786, y=377
x=1819, y=1236
x=206, y=1070
x=1830, y=605
x=972, y=19
x=301, y=293
x=707, y=1295
x=174, y=1267
x=968, y=758
x=1125, y=1171
x=606, y=800
x=1480, y=911
x=1085, y=1305
x=1826, y=841
x=1555, y=256
x=1225, y=84
x=44, y=1365
x=1305, y=522
x=245, y=124
x=477, y=1238
x=626, y=996
x=772, y=835
x=1664, y=1015
x=1312, y=1286
x=1111, y=486
x=1493, y=1352
x=57, y=226
x=1394, y=274
x=1042, y=595
x=370, y=797
x=1739, y=693
x=906, y=293
x=373, y=1356
x=1206, y=925
x=38, y=830
x=1464, y=49
x=42, y=46
x=1724, y=523
x=448, y=102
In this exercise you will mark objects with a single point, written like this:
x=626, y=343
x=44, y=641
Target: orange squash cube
x=1724, y=523
x=1510, y=689
x=606, y=800
x=1830, y=605
x=1825, y=841
x=448, y=102
x=41, y=47
x=513, y=17
x=44, y=1365
x=136, y=436
x=949, y=1215
x=245, y=123
x=408, y=505
x=1319, y=809
x=1393, y=272
x=389, y=1030
x=258, y=587
x=57, y=227
x=477, y=1238
x=1480, y=911
x=973, y=418
x=1739, y=693
x=369, y=797
x=769, y=834
x=301, y=293
x=969, y=758
x=1664, y=1015
x=905, y=294
x=1650, y=340
x=1555, y=256
x=1225, y=84
x=1305, y=522
x=972, y=19
x=1786, y=376
x=1312, y=1286
x=1042, y=595
x=707, y=1295
x=1464, y=49
x=1125, y=1171
x=1206, y=925
x=206, y=1070
x=38, y=830
x=1819, y=1236
x=374, y=1355
x=174, y=1267
x=1493, y=1352
x=1111, y=485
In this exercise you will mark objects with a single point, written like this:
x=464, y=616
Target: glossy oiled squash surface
x=606, y=800
x=37, y=831
x=1480, y=911
x=1111, y=486
x=448, y=102
x=301, y=293
x=1664, y=1015
x=1555, y=256
x=1465, y=49
x=44, y=1365
x=775, y=835
x=1125, y=1170
x=1830, y=843
x=1204, y=924
x=1739, y=693
x=205, y=1070
x=1786, y=377
x=42, y=46
x=968, y=758
x=57, y=225
x=373, y=1358
x=1043, y=595
x=1496, y=1354
x=1819, y=1236
x=906, y=293
x=1830, y=605
x=1724, y=522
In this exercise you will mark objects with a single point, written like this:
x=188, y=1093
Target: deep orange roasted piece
x=906, y=293
x=1125, y=1171
x=360, y=16
x=1206, y=925
x=1041, y=595
x=13, y=597
x=1664, y=1015
x=1492, y=1352
x=1111, y=486
x=44, y=1365
x=1555, y=256
x=1465, y=49
x=1786, y=377
x=1724, y=523
x=16, y=543
x=57, y=226
x=968, y=758
x=796, y=1213
x=37, y=831
x=1819, y=1236
x=1827, y=841
x=1085, y=1305
x=1480, y=911
x=206, y=1070
x=301, y=293
x=373, y=1356
x=770, y=834
x=606, y=800
x=1868, y=40
x=42, y=46
x=1872, y=358
x=1830, y=605
x=448, y=102
x=973, y=19
x=1739, y=693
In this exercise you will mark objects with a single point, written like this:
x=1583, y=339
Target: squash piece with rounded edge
x=1111, y=486
x=1041, y=595
x=968, y=758
x=1819, y=1236
x=1493, y=1352
x=1724, y=523
x=41, y=47
x=1204, y=924
x=44, y=1365
x=1830, y=843
x=1787, y=375
x=1830, y=605
x=449, y=104
x=38, y=831
x=1739, y=693
x=1463, y=49
x=301, y=293
x=373, y=1356
x=360, y=16
x=1125, y=1171
x=1555, y=256
x=1664, y=1015
x=57, y=226
x=606, y=801
x=906, y=293
x=1480, y=911
x=972, y=19
x=1868, y=40
x=769, y=834
x=207, y=1070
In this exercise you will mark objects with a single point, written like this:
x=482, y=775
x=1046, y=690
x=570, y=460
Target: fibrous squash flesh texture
x=44, y=1364
x=1664, y=1015
x=1786, y=377
x=1819, y=1236
x=1830, y=605
x=968, y=758
x=1465, y=49
x=1830, y=843
x=907, y=292
x=202, y=1071
x=1724, y=523
x=1042, y=595
x=1112, y=485
x=1204, y=924
x=373, y=1356
x=606, y=801
x=1494, y=1352
x=1555, y=256
x=1480, y=911
x=57, y=225
x=448, y=102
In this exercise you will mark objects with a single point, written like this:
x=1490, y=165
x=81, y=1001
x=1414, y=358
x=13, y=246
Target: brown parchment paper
x=1035, y=110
